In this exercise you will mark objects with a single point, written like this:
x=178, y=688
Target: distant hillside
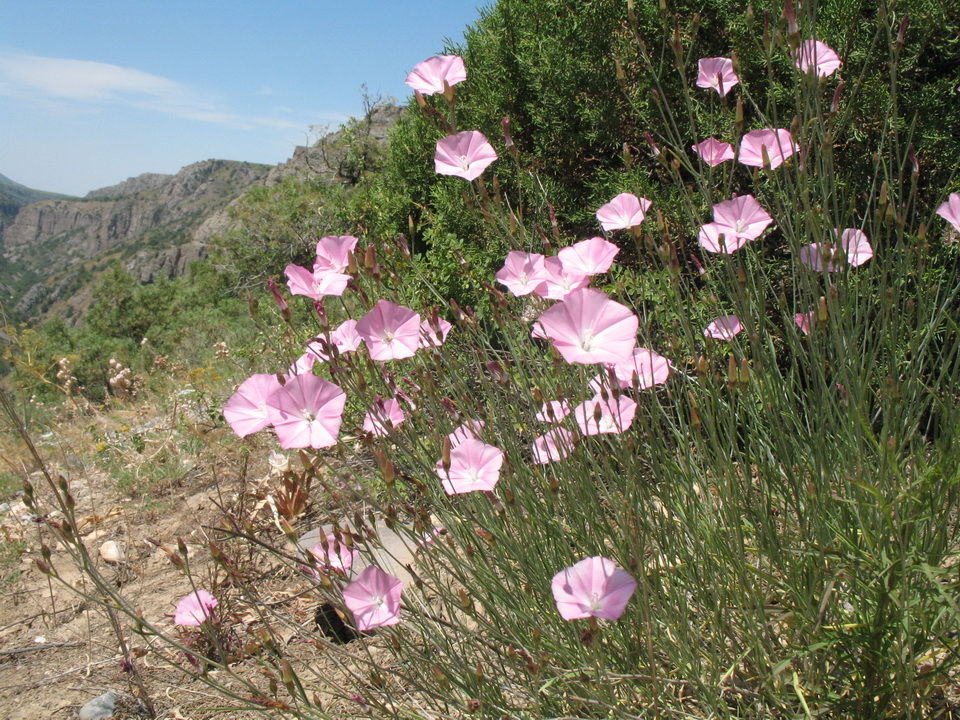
x=14, y=196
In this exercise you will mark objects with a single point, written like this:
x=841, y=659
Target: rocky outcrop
x=130, y=186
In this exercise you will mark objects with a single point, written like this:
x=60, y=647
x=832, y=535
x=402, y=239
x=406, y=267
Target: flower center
x=464, y=162
x=593, y=602
x=308, y=415
x=586, y=340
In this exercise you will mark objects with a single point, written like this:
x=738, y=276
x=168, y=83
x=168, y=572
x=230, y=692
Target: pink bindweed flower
x=391, y=332
x=334, y=253
x=645, y=367
x=467, y=431
x=466, y=154
x=594, y=587
x=429, y=538
x=553, y=411
x=588, y=327
x=805, y=321
x=474, y=466
x=588, y=257
x=522, y=272
x=333, y=555
x=383, y=416
x=246, y=410
x=306, y=412
x=434, y=333
x=625, y=211
x=815, y=56
x=559, y=282
x=779, y=146
x=725, y=327
x=374, y=599
x=430, y=75
x=717, y=73
x=713, y=152
x=950, y=210
x=195, y=609
x=316, y=285
x=552, y=446
x=738, y=220
x=601, y=417
x=854, y=247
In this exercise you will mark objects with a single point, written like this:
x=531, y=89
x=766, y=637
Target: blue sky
x=94, y=92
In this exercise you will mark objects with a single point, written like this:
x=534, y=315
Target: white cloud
x=38, y=78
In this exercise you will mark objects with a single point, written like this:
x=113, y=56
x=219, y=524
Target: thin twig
x=38, y=647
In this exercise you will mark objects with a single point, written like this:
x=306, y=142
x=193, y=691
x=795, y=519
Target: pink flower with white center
x=741, y=218
x=594, y=587
x=552, y=446
x=602, y=417
x=316, y=285
x=713, y=152
x=588, y=327
x=717, y=73
x=805, y=321
x=434, y=334
x=815, y=56
x=625, y=211
x=306, y=412
x=854, y=247
x=391, y=332
x=334, y=555
x=195, y=609
x=553, y=411
x=588, y=257
x=334, y=253
x=779, y=146
x=466, y=154
x=522, y=272
x=345, y=337
x=711, y=239
x=383, y=416
x=470, y=430
x=246, y=410
x=950, y=210
x=474, y=466
x=429, y=76
x=374, y=599
x=559, y=282
x=725, y=327
x=645, y=367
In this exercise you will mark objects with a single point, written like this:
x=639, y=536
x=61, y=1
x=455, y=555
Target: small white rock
x=112, y=552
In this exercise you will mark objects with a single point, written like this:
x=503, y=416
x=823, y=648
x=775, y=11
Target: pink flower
x=429, y=76
x=725, y=327
x=433, y=333
x=430, y=537
x=334, y=555
x=594, y=587
x=805, y=321
x=466, y=154
x=713, y=152
x=316, y=285
x=588, y=327
x=717, y=73
x=588, y=257
x=246, y=410
x=334, y=253
x=646, y=366
x=468, y=431
x=306, y=412
x=624, y=211
x=950, y=210
x=552, y=446
x=345, y=337
x=474, y=466
x=383, y=416
x=374, y=599
x=559, y=282
x=522, y=272
x=553, y=411
x=601, y=417
x=739, y=220
x=854, y=247
x=195, y=609
x=815, y=56
x=390, y=331
x=779, y=145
